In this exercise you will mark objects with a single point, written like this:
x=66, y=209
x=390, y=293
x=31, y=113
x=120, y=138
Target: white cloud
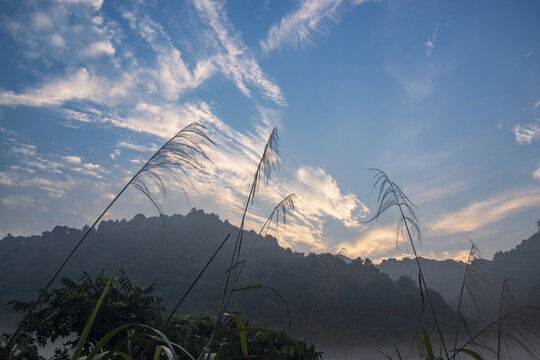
x=24, y=149
x=319, y=195
x=98, y=48
x=174, y=77
x=137, y=147
x=536, y=173
x=41, y=21
x=371, y=244
x=236, y=62
x=91, y=166
x=527, y=133
x=76, y=86
x=299, y=25
x=457, y=255
x=482, y=213
x=536, y=104
x=13, y=200
x=430, y=43
x=96, y=4
x=57, y=40
x=72, y=160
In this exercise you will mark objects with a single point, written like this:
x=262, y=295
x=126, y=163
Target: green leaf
x=471, y=353
x=249, y=287
x=106, y=339
x=90, y=321
x=427, y=343
x=157, y=352
x=241, y=334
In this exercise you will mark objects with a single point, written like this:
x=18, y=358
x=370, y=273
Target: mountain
x=326, y=295
x=520, y=266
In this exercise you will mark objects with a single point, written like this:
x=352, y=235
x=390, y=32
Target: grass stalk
x=268, y=163
x=390, y=195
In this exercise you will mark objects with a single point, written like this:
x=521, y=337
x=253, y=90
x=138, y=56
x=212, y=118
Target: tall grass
x=391, y=196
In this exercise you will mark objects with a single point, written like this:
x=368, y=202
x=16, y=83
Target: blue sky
x=443, y=96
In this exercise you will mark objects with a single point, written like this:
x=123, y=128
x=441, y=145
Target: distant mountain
x=326, y=295
x=444, y=276
x=521, y=266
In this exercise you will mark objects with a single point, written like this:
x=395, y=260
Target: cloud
x=14, y=200
x=72, y=160
x=96, y=4
x=457, y=255
x=98, y=48
x=536, y=104
x=527, y=133
x=430, y=43
x=299, y=25
x=483, y=213
x=137, y=147
x=417, y=85
x=319, y=195
x=24, y=149
x=174, y=77
x=536, y=173
x=76, y=86
x=236, y=62
x=371, y=244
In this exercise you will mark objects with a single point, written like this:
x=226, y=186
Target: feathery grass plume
x=390, y=195
x=268, y=163
x=514, y=328
x=280, y=211
x=183, y=152
x=473, y=278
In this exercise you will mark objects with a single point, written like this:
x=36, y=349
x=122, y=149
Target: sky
x=444, y=96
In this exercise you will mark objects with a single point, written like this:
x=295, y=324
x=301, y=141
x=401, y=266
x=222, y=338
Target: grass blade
x=90, y=321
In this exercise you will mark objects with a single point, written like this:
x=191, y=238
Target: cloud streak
x=298, y=27
x=489, y=211
x=236, y=62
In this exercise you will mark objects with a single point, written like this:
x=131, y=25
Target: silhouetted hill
x=326, y=295
x=521, y=266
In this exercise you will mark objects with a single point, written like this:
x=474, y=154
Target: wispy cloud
x=525, y=134
x=430, y=43
x=75, y=86
x=489, y=211
x=236, y=62
x=312, y=16
x=137, y=147
x=536, y=104
x=17, y=200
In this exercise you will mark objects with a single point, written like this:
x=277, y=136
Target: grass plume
x=391, y=196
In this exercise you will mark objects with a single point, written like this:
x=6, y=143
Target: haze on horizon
x=444, y=97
